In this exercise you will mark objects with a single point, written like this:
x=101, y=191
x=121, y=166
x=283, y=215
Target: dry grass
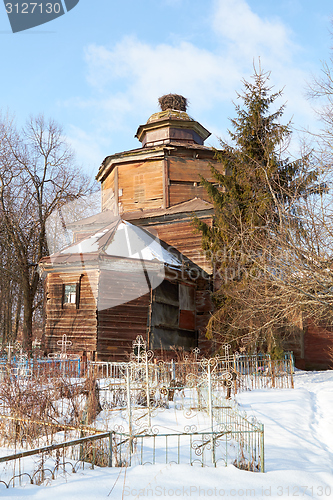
x=34, y=410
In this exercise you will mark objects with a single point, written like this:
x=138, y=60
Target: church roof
x=118, y=239
x=190, y=206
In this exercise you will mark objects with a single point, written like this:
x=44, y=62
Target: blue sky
x=99, y=69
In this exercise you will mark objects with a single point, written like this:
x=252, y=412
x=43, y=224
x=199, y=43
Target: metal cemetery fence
x=40, y=367
x=238, y=441
x=250, y=372
x=261, y=372
x=14, y=361
x=241, y=444
x=133, y=393
x=43, y=464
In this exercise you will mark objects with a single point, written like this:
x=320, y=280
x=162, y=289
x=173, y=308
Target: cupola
x=171, y=125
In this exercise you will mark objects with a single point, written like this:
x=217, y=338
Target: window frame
x=71, y=294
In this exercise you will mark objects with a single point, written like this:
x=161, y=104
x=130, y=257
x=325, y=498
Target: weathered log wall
x=184, y=178
x=77, y=321
x=161, y=179
x=109, y=194
x=141, y=185
x=135, y=185
x=123, y=308
x=182, y=236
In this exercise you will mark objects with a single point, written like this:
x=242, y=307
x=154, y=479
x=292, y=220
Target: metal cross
x=226, y=348
x=140, y=345
x=64, y=343
x=196, y=352
x=9, y=349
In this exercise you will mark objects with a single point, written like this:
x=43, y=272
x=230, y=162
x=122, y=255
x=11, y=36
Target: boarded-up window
x=167, y=293
x=186, y=307
x=172, y=325
x=165, y=315
x=165, y=310
x=174, y=306
x=139, y=188
x=186, y=297
x=139, y=193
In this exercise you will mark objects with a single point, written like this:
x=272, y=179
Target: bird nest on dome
x=173, y=101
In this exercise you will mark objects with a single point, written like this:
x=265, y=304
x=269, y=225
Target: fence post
x=291, y=373
x=110, y=449
x=210, y=406
x=129, y=408
x=148, y=395
x=93, y=455
x=262, y=452
x=173, y=365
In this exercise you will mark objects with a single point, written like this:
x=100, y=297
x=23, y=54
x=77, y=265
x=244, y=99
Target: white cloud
x=250, y=35
x=147, y=71
x=144, y=71
x=128, y=78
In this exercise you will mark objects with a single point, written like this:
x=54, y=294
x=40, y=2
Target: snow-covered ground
x=298, y=457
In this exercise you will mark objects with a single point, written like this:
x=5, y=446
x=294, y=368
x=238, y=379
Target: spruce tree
x=254, y=189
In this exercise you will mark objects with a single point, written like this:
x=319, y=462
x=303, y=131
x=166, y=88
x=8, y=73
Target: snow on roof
x=123, y=239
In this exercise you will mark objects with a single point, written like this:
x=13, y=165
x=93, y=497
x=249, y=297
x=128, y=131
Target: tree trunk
x=27, y=321
x=17, y=315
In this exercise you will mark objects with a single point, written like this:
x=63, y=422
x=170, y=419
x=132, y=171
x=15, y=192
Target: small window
x=70, y=294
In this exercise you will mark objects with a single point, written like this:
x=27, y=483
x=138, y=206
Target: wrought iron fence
x=140, y=389
x=40, y=367
x=228, y=444
x=242, y=447
x=104, y=369
x=43, y=464
x=248, y=372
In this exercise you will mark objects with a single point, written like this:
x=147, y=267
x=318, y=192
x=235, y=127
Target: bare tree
x=37, y=176
x=10, y=294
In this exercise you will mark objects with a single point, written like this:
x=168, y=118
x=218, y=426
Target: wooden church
x=137, y=267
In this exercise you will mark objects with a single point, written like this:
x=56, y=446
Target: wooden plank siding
x=109, y=197
x=140, y=185
x=179, y=192
x=157, y=182
x=119, y=326
x=184, y=178
x=122, y=315
x=189, y=169
x=79, y=324
x=181, y=235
